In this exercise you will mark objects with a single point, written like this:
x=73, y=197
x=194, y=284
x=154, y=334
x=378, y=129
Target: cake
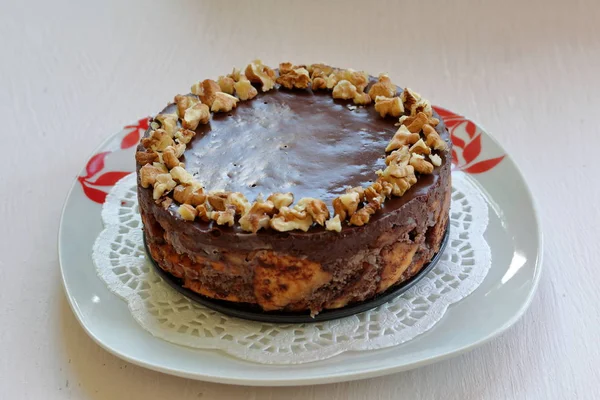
x=298, y=189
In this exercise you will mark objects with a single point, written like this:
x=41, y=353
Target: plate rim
x=332, y=377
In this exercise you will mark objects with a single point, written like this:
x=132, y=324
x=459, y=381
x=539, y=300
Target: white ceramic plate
x=513, y=235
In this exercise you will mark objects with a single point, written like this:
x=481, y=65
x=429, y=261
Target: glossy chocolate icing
x=329, y=148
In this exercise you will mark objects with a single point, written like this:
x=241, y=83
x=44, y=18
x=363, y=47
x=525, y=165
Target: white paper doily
x=121, y=263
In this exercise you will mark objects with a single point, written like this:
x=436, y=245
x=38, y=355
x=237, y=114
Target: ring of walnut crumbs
x=410, y=150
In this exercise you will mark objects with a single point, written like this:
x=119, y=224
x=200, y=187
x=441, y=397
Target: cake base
x=254, y=313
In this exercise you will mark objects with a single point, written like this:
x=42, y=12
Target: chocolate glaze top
x=296, y=141
x=291, y=141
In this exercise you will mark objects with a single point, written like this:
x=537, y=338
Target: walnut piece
x=184, y=102
x=334, y=224
x=206, y=91
x=224, y=102
x=375, y=191
x=346, y=204
x=319, y=83
x=257, y=72
x=285, y=67
x=359, y=79
x=417, y=122
x=433, y=139
x=362, y=216
x=420, y=148
x=226, y=84
x=435, y=160
x=225, y=217
x=169, y=158
x=401, y=138
x=388, y=106
x=168, y=123
x=187, y=212
x=400, y=177
x=280, y=200
x=357, y=189
x=384, y=87
x=189, y=194
x=218, y=200
x=362, y=99
x=148, y=174
x=333, y=80
x=145, y=157
x=257, y=217
x=203, y=212
x=289, y=219
x=400, y=156
x=184, y=136
x=235, y=74
x=420, y=164
x=164, y=184
x=316, y=208
x=182, y=176
x=344, y=90
x=295, y=78
x=239, y=202
x=244, y=89
x=196, y=114
x=158, y=140
x=414, y=103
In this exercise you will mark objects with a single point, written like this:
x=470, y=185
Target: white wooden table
x=72, y=73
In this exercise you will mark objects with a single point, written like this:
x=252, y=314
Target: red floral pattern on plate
x=466, y=144
x=91, y=181
x=468, y=149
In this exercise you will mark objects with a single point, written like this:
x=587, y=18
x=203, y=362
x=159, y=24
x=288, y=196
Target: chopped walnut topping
x=400, y=177
x=187, y=212
x=218, y=200
x=417, y=123
x=206, y=91
x=346, y=204
x=384, y=87
x=184, y=136
x=259, y=73
x=224, y=102
x=319, y=70
x=362, y=99
x=225, y=217
x=148, y=174
x=435, y=160
x=359, y=79
x=169, y=158
x=433, y=121
x=420, y=164
x=163, y=185
x=239, y=202
x=317, y=209
x=319, y=83
x=344, y=90
x=295, y=78
x=161, y=167
x=433, y=139
x=388, y=106
x=236, y=74
x=203, y=212
x=362, y=216
x=158, y=140
x=189, y=194
x=196, y=114
x=285, y=67
x=182, y=176
x=375, y=191
x=420, y=148
x=414, y=103
x=333, y=80
x=257, y=217
x=401, y=138
x=280, y=200
x=400, y=156
x=244, y=89
x=226, y=84
x=145, y=157
x=289, y=219
x=184, y=102
x=168, y=122
x=334, y=224
x=357, y=189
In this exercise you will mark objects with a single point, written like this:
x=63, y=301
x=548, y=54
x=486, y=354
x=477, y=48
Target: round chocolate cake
x=299, y=189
